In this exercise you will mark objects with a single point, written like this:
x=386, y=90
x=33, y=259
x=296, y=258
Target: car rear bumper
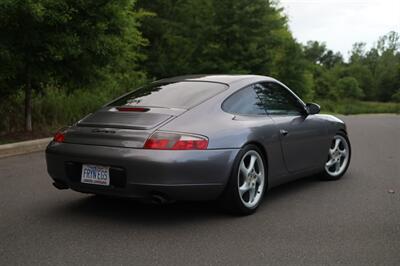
x=140, y=173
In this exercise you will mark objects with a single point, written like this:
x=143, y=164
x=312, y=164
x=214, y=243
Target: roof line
x=167, y=80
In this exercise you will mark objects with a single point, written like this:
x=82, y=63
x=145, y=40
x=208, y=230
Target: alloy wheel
x=251, y=179
x=338, y=156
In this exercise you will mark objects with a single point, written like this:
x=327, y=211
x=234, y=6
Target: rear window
x=182, y=95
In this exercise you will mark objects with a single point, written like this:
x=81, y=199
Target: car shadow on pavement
x=296, y=186
x=129, y=211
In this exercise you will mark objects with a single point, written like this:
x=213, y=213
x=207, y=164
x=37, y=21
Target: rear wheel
x=338, y=158
x=245, y=188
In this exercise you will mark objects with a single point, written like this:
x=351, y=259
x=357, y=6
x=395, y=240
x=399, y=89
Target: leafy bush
x=348, y=87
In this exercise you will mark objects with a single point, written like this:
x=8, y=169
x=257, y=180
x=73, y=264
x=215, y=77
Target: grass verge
x=352, y=107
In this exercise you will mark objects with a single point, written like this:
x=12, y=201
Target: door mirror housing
x=312, y=108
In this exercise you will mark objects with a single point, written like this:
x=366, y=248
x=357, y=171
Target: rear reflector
x=175, y=141
x=132, y=109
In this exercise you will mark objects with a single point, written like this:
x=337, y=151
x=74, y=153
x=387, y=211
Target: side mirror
x=313, y=108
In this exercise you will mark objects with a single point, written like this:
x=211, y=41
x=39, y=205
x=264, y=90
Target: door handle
x=283, y=132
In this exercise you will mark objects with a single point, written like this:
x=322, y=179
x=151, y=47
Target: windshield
x=183, y=95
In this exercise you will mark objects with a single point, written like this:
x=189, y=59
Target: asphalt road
x=352, y=221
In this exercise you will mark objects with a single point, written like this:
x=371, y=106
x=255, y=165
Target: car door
x=250, y=116
x=303, y=137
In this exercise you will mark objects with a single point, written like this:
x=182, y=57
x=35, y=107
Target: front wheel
x=245, y=188
x=339, y=155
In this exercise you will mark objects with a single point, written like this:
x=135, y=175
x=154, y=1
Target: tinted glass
x=173, y=95
x=244, y=101
x=277, y=99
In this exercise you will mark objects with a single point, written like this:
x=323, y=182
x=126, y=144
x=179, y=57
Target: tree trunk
x=28, y=108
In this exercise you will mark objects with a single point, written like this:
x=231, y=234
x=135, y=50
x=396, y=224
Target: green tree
x=246, y=36
x=222, y=36
x=292, y=68
x=330, y=59
x=323, y=64
x=314, y=51
x=358, y=52
x=71, y=43
x=348, y=87
x=325, y=81
x=377, y=70
x=396, y=96
x=388, y=74
x=318, y=54
x=177, y=31
x=363, y=74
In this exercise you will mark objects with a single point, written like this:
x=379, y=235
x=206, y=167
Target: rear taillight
x=59, y=137
x=176, y=141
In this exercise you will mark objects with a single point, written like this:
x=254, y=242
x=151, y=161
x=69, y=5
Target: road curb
x=23, y=147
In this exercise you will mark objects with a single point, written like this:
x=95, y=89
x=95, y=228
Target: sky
x=340, y=23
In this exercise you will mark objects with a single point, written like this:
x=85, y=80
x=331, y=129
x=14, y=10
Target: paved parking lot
x=308, y=222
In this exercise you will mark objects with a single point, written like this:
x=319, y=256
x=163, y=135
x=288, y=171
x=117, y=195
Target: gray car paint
x=194, y=174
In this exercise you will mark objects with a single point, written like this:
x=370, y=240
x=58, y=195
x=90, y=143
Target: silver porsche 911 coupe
x=204, y=137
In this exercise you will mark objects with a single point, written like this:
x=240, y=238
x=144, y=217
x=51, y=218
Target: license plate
x=95, y=174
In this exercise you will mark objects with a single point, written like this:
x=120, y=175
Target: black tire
x=230, y=199
x=325, y=175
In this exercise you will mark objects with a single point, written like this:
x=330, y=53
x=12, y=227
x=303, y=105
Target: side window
x=276, y=99
x=245, y=102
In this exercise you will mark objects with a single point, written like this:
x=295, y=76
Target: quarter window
x=245, y=102
x=277, y=100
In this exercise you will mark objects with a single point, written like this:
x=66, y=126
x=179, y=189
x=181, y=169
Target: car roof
x=225, y=79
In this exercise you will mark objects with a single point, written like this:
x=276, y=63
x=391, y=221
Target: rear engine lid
x=112, y=137
x=120, y=126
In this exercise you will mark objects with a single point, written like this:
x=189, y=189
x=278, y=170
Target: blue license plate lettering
x=95, y=174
